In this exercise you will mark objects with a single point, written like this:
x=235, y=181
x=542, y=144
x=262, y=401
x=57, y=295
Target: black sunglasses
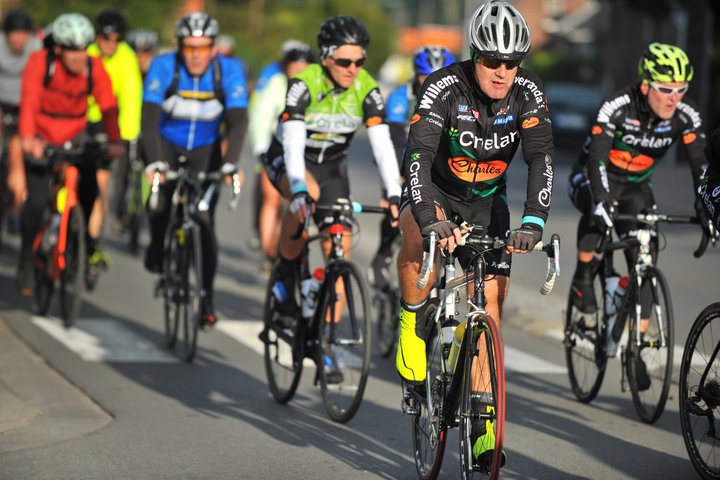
x=346, y=62
x=494, y=63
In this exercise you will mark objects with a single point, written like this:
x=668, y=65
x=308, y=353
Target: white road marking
x=104, y=340
x=523, y=362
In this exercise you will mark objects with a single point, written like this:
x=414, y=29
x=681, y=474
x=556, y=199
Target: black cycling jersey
x=462, y=141
x=628, y=139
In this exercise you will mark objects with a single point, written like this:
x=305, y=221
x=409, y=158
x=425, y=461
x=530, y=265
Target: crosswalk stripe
x=104, y=340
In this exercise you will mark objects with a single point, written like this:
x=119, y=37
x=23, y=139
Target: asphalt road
x=106, y=400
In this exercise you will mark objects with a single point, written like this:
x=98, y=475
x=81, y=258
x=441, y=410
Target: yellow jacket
x=126, y=82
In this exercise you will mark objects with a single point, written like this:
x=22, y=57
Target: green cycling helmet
x=662, y=62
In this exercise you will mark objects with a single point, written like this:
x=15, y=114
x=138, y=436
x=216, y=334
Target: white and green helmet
x=662, y=62
x=73, y=30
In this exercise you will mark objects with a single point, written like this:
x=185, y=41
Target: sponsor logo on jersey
x=377, y=98
x=609, y=107
x=463, y=108
x=503, y=120
x=414, y=181
x=690, y=112
x=372, y=121
x=689, y=138
x=154, y=86
x=546, y=192
x=466, y=118
x=530, y=122
x=503, y=110
x=627, y=161
x=435, y=89
x=470, y=170
x=533, y=88
x=597, y=130
x=663, y=129
x=476, y=114
x=414, y=119
x=633, y=121
x=295, y=93
x=651, y=142
x=468, y=139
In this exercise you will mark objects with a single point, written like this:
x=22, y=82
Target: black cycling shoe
x=641, y=375
x=153, y=259
x=25, y=277
x=207, y=316
x=583, y=295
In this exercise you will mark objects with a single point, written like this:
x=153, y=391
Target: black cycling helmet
x=142, y=40
x=18, y=20
x=197, y=24
x=111, y=21
x=301, y=52
x=342, y=30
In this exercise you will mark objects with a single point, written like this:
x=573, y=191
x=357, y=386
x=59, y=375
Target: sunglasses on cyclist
x=494, y=63
x=346, y=62
x=109, y=37
x=667, y=91
x=201, y=49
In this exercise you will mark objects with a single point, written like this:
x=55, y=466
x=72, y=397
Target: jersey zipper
x=193, y=119
x=332, y=115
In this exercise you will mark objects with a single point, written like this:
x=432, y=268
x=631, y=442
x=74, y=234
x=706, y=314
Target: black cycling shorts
x=491, y=213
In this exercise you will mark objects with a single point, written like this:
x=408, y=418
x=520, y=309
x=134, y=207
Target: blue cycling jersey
x=398, y=105
x=191, y=117
x=267, y=72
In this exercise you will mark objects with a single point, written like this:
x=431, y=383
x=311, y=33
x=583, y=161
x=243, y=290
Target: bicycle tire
x=134, y=211
x=699, y=406
x=385, y=306
x=495, y=385
x=191, y=285
x=171, y=284
x=284, y=346
x=657, y=355
x=429, y=432
x=44, y=283
x=348, y=340
x=72, y=277
x=584, y=342
x=4, y=193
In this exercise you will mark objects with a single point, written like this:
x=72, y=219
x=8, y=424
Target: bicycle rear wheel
x=284, y=338
x=344, y=337
x=428, y=428
x=488, y=464
x=585, y=350
x=700, y=397
x=73, y=275
x=654, y=352
x=190, y=286
x=386, y=308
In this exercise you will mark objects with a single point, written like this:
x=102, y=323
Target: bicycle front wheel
x=172, y=283
x=585, y=352
x=700, y=393
x=650, y=355
x=190, y=287
x=44, y=283
x=284, y=338
x=73, y=275
x=481, y=454
x=429, y=430
x=344, y=336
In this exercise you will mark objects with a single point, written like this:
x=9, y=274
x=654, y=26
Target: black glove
x=702, y=216
x=298, y=200
x=442, y=228
x=394, y=201
x=525, y=237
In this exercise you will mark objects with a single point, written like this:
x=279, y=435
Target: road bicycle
x=336, y=333
x=134, y=196
x=59, y=246
x=180, y=283
x=646, y=349
x=9, y=121
x=444, y=400
x=699, y=393
x=386, y=306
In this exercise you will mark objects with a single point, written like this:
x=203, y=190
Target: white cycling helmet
x=197, y=24
x=498, y=30
x=73, y=30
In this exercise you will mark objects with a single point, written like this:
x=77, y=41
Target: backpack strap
x=173, y=88
x=50, y=70
x=217, y=82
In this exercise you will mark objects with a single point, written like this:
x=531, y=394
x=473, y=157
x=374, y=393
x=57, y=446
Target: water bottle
x=455, y=346
x=447, y=334
x=611, y=285
x=309, y=288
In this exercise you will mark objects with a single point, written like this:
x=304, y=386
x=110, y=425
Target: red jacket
x=57, y=113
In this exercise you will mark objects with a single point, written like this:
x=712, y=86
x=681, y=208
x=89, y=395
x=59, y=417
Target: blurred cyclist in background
x=121, y=64
x=16, y=44
x=145, y=43
x=400, y=107
x=263, y=115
